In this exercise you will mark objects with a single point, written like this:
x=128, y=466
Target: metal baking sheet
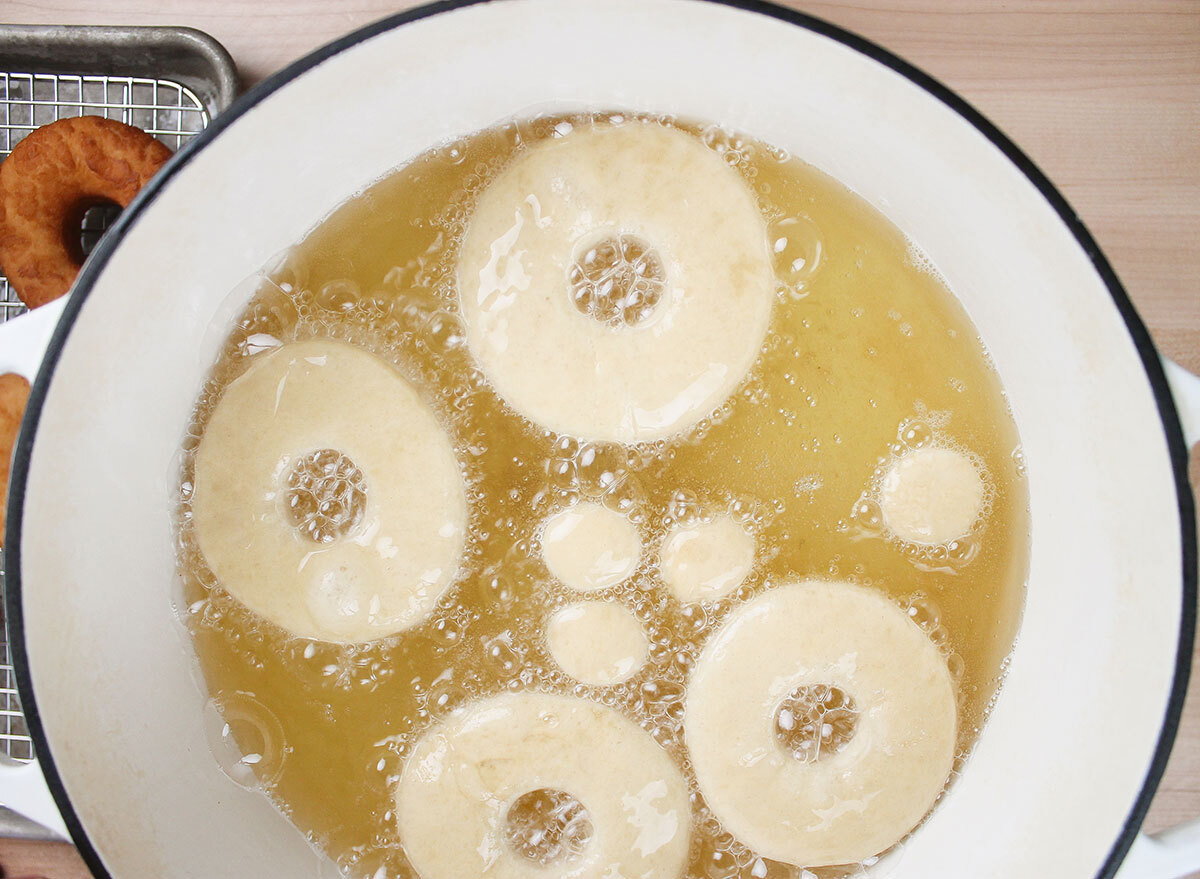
x=167, y=81
x=185, y=56
x=170, y=82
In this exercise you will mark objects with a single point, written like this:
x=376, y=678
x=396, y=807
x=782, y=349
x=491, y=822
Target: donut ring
x=47, y=183
x=616, y=283
x=327, y=496
x=14, y=392
x=847, y=805
x=464, y=774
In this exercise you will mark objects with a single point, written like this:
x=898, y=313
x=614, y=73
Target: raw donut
x=599, y=643
x=931, y=496
x=51, y=178
x=707, y=560
x=590, y=547
x=327, y=495
x=464, y=775
x=14, y=393
x=674, y=230
x=848, y=804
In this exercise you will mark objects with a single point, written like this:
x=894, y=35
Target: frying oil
x=868, y=355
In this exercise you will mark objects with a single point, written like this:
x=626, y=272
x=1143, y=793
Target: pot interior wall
x=1068, y=746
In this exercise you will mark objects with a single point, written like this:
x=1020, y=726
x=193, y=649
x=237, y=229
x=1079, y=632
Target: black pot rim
x=103, y=252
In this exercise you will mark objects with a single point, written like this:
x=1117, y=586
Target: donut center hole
x=617, y=281
x=325, y=494
x=815, y=721
x=548, y=826
x=87, y=225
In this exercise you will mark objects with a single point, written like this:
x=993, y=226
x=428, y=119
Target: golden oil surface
x=867, y=354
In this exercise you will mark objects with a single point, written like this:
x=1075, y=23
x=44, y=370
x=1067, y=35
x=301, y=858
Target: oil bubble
x=682, y=661
x=1018, y=459
x=382, y=768
x=915, y=434
x=246, y=739
x=779, y=154
x=746, y=511
x=315, y=662
x=663, y=698
x=287, y=273
x=454, y=152
x=693, y=619
x=338, y=297
x=566, y=447
x=445, y=332
x=562, y=473
x=717, y=863
x=534, y=128
x=599, y=466
x=271, y=313
x=765, y=868
x=627, y=497
x=497, y=591
x=547, y=826
x=957, y=667
x=684, y=507
x=445, y=694
x=503, y=658
x=923, y=611
x=445, y=632
x=375, y=863
x=796, y=248
x=962, y=551
x=939, y=636
x=732, y=147
x=509, y=134
x=867, y=514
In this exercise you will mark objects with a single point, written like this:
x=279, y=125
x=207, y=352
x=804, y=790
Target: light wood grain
x=1104, y=95
x=21, y=859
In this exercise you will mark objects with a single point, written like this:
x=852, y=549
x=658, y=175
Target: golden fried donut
x=327, y=496
x=51, y=178
x=14, y=392
x=867, y=775
x=616, y=283
x=455, y=799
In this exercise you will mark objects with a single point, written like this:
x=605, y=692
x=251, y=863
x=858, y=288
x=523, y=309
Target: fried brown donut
x=14, y=392
x=52, y=177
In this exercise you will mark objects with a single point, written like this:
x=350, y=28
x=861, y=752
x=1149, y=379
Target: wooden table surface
x=1104, y=95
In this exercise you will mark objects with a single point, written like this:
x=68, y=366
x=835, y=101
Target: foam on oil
x=868, y=355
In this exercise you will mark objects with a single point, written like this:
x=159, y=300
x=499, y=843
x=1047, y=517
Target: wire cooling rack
x=14, y=735
x=169, y=111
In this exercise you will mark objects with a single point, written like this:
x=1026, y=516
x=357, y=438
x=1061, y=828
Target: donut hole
x=933, y=496
x=94, y=221
x=548, y=826
x=589, y=547
x=325, y=495
x=85, y=223
x=815, y=721
x=617, y=281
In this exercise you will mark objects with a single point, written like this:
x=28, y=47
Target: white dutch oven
x=1070, y=758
